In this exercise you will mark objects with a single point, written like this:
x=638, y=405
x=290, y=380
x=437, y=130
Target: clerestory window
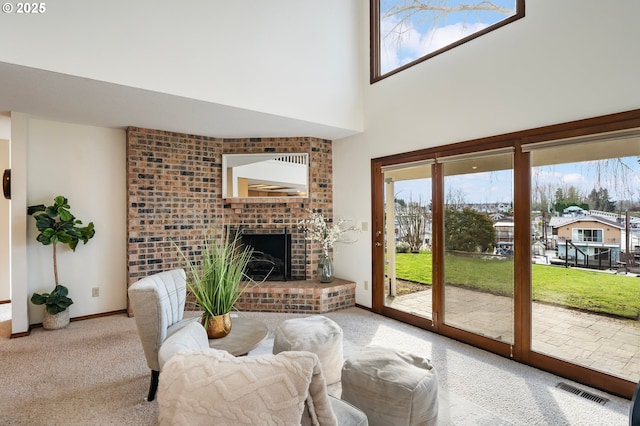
x=406, y=32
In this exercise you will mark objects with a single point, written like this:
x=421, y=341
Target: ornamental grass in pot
x=217, y=279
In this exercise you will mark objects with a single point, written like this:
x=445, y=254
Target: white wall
x=5, y=125
x=5, y=277
x=286, y=57
x=88, y=166
x=564, y=61
x=18, y=223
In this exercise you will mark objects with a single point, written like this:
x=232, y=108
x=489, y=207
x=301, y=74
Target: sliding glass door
x=585, y=203
x=479, y=244
x=526, y=244
x=408, y=224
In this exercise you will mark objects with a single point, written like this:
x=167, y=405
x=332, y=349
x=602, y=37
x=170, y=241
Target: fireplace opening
x=271, y=258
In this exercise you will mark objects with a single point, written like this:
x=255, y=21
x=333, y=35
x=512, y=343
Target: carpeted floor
x=93, y=373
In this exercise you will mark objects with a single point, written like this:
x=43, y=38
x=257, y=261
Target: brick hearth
x=308, y=296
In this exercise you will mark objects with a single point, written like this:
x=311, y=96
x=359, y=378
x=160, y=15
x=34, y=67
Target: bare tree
x=455, y=199
x=615, y=173
x=434, y=11
x=412, y=218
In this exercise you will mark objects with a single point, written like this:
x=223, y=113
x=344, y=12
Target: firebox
x=271, y=259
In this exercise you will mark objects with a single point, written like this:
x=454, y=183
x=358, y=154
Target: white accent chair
x=158, y=307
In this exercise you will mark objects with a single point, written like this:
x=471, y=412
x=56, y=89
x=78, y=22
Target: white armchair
x=158, y=307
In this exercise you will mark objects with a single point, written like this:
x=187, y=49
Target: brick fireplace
x=174, y=187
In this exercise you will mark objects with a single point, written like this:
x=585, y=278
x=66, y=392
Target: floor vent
x=583, y=394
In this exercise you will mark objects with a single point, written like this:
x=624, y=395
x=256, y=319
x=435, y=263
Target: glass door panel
x=408, y=239
x=478, y=245
x=585, y=211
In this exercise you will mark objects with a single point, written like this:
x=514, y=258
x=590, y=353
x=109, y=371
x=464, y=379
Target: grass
x=586, y=290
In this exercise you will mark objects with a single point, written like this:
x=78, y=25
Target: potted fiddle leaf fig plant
x=57, y=226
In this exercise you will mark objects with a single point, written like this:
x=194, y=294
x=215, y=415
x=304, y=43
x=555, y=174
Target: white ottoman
x=317, y=334
x=391, y=387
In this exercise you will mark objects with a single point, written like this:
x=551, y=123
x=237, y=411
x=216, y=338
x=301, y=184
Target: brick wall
x=174, y=185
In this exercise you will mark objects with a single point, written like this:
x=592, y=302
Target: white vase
x=57, y=321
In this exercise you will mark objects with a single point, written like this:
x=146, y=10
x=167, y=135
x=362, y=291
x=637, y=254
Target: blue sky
x=425, y=33
x=490, y=187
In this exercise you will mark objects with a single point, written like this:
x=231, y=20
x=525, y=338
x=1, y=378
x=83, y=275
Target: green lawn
x=588, y=290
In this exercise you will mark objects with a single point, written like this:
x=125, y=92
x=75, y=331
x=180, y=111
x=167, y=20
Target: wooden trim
x=594, y=378
x=85, y=317
x=378, y=226
x=374, y=40
x=522, y=256
x=3, y=302
x=437, y=247
x=104, y=314
x=366, y=308
x=602, y=124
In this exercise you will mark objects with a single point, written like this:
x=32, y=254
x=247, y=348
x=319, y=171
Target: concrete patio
x=599, y=342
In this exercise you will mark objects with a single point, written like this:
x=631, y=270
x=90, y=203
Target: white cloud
x=405, y=43
x=573, y=179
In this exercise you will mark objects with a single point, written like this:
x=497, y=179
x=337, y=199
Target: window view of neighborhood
x=585, y=220
x=585, y=250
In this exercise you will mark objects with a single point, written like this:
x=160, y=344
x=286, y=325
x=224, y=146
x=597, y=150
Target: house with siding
x=589, y=241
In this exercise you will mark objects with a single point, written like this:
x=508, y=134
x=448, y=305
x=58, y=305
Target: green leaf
x=60, y=290
x=34, y=209
x=44, y=239
x=39, y=299
x=65, y=215
x=57, y=225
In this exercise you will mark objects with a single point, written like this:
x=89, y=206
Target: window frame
x=375, y=74
x=578, y=235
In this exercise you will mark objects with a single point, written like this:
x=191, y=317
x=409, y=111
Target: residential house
x=589, y=241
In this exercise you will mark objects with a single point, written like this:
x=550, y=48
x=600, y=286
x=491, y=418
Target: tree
x=438, y=10
x=468, y=230
x=412, y=218
x=599, y=200
x=569, y=196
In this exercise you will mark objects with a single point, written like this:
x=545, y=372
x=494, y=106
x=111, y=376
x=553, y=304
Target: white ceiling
x=65, y=98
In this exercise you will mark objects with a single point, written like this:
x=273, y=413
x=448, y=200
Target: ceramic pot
x=218, y=326
x=55, y=321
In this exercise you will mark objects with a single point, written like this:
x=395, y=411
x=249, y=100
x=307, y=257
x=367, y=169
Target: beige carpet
x=93, y=373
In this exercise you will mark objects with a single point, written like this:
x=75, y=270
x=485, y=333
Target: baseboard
x=82, y=318
x=104, y=314
x=366, y=308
